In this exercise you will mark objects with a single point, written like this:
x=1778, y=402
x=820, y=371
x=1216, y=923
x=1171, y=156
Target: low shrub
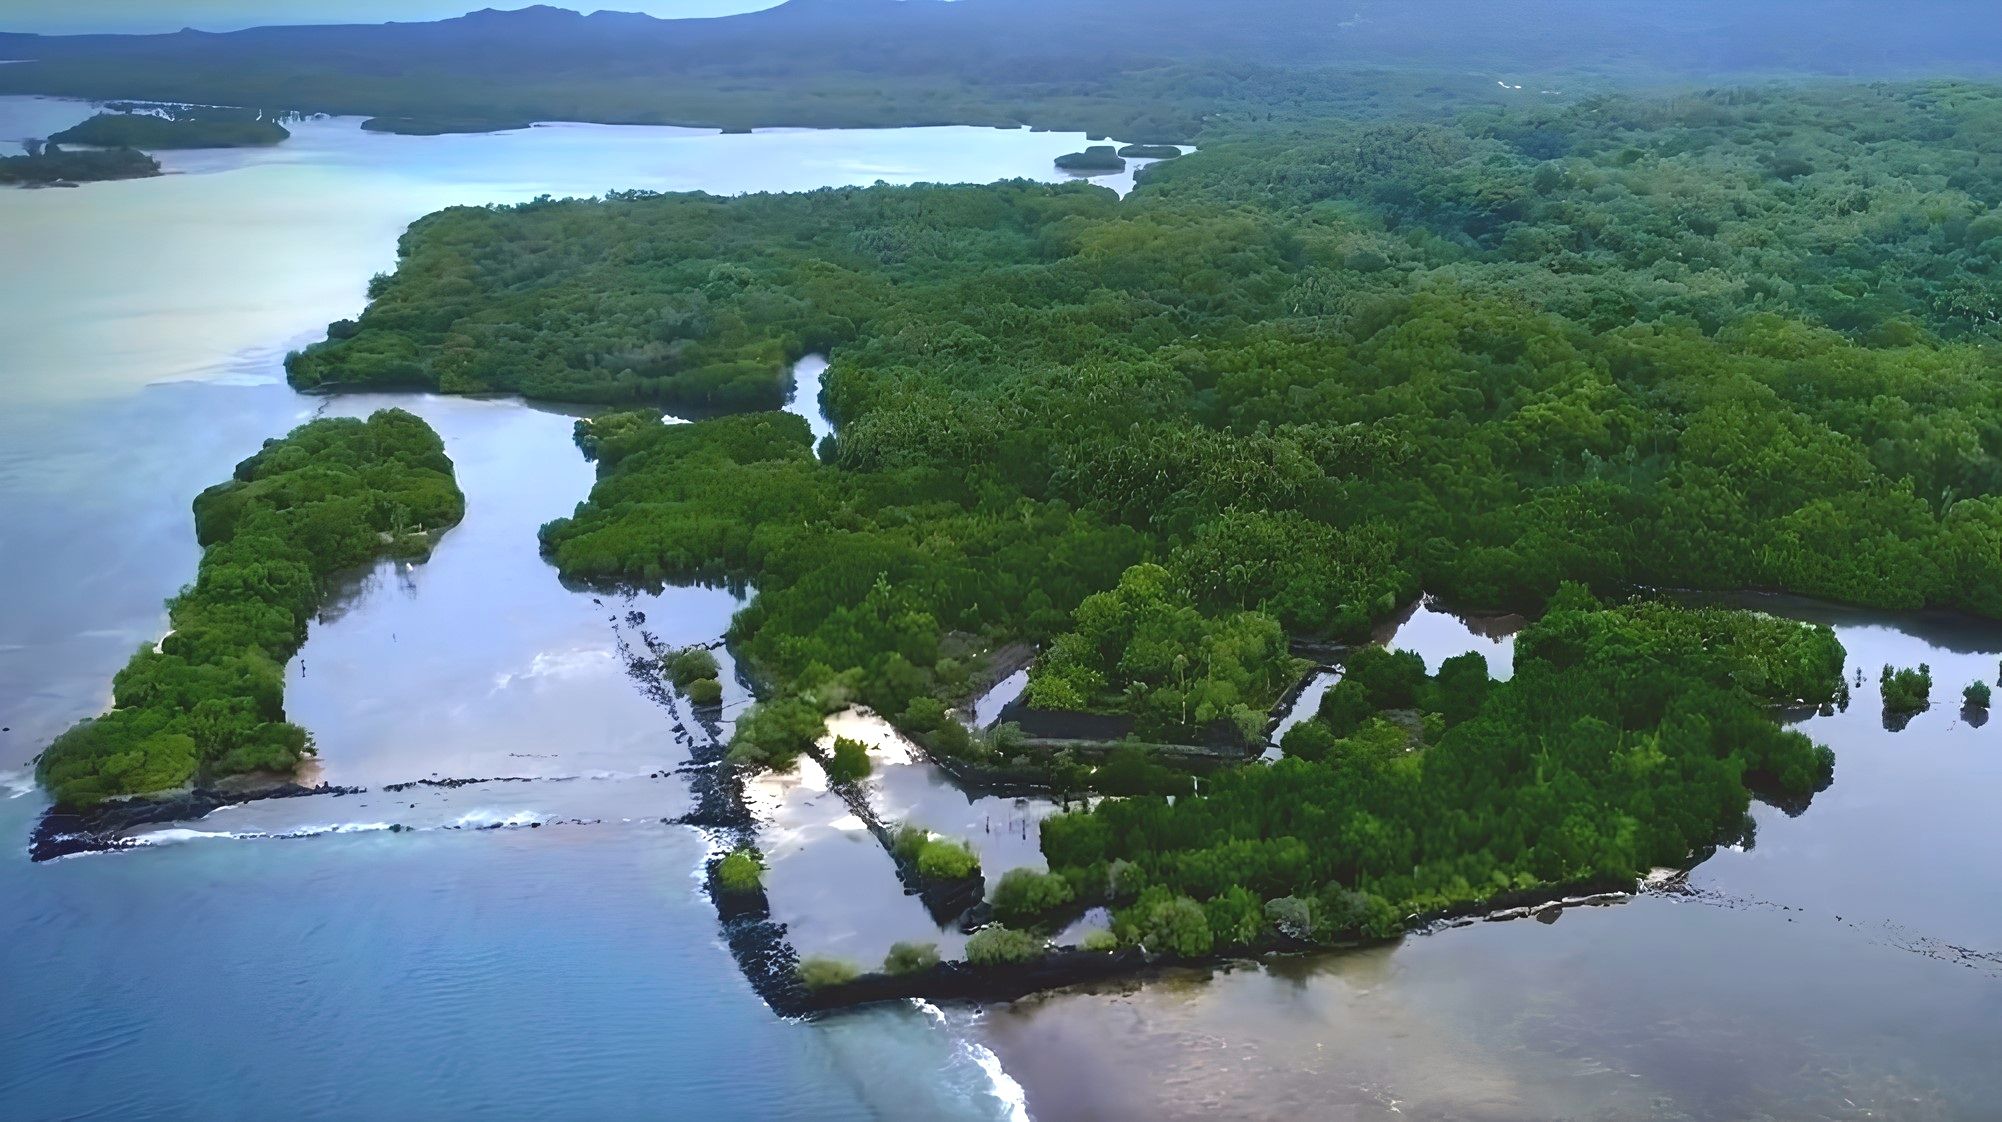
x=818, y=972
x=909, y=958
x=741, y=871
x=850, y=762
x=1000, y=946
x=943, y=859
x=1025, y=895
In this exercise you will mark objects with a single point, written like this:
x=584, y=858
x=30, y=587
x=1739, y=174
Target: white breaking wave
x=483, y=818
x=183, y=833
x=1005, y=1088
x=18, y=783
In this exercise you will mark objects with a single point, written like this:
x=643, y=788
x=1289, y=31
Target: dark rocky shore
x=61, y=833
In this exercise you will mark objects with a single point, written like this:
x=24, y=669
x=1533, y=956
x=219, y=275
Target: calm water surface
x=299, y=959
x=296, y=958
x=1847, y=965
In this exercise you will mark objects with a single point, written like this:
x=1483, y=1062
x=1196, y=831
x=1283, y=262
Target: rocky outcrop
x=61, y=832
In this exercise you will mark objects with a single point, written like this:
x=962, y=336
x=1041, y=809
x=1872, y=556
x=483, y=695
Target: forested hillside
x=209, y=699
x=1307, y=372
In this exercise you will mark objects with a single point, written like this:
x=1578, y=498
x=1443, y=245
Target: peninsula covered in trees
x=1626, y=740
x=1306, y=373
x=208, y=700
x=51, y=165
x=177, y=128
x=439, y=126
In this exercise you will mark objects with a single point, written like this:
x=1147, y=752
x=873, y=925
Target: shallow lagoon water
x=906, y=788
x=564, y=962
x=297, y=958
x=1846, y=965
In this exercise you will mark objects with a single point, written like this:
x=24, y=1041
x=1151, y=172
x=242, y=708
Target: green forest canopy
x=1307, y=372
x=1624, y=741
x=1143, y=648
x=55, y=165
x=209, y=699
x=211, y=128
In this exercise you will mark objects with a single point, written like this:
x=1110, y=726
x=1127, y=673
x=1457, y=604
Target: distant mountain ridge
x=1833, y=36
x=988, y=61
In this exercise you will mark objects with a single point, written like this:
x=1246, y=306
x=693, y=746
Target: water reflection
x=569, y=967
x=478, y=662
x=1847, y=966
x=829, y=879
x=1303, y=707
x=805, y=397
x=988, y=707
x=905, y=787
x=1436, y=634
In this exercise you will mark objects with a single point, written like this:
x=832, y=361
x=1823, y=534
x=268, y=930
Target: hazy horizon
x=148, y=16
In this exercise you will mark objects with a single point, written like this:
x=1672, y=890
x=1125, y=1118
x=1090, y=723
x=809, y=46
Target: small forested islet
x=208, y=700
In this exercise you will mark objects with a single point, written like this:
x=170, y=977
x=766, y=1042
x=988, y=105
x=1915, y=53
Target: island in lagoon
x=1099, y=159
x=208, y=700
x=50, y=165
x=440, y=126
x=175, y=128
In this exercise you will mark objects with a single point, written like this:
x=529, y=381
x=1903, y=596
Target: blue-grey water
x=298, y=959
x=567, y=966
x=1846, y=965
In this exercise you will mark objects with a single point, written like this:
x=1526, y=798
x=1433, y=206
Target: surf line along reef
x=206, y=704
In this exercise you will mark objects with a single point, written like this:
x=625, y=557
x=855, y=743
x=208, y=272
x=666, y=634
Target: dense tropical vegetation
x=1722, y=339
x=1142, y=648
x=43, y=165
x=1626, y=739
x=176, y=128
x=209, y=699
x=1906, y=690
x=1302, y=374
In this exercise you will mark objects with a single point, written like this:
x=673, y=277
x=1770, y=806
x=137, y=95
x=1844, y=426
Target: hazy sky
x=59, y=16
